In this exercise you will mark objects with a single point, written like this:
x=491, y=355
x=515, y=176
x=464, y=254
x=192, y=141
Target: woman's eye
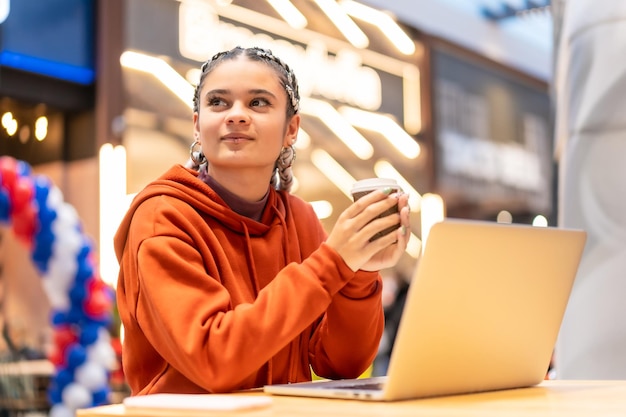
x=259, y=102
x=216, y=101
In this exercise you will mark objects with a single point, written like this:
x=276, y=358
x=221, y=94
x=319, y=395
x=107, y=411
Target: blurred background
x=453, y=98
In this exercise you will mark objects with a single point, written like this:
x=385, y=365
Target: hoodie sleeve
x=346, y=339
x=187, y=316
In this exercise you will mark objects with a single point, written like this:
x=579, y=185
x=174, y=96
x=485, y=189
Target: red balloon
x=63, y=337
x=8, y=172
x=22, y=194
x=98, y=303
x=56, y=357
x=25, y=225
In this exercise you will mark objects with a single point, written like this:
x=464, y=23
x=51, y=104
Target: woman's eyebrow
x=254, y=91
x=217, y=91
x=261, y=91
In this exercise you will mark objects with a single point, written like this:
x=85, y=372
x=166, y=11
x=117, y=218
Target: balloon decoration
x=81, y=302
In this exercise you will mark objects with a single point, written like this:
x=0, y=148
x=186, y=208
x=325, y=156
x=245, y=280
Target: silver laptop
x=483, y=313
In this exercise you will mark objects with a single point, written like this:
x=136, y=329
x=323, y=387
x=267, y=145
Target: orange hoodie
x=212, y=301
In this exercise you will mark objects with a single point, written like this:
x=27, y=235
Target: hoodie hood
x=183, y=183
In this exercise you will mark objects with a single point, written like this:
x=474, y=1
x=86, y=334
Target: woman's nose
x=237, y=115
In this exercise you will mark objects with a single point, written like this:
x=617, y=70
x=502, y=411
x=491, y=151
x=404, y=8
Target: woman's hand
x=358, y=223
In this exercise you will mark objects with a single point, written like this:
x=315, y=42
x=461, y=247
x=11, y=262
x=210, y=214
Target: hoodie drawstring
x=256, y=288
x=291, y=360
x=250, y=260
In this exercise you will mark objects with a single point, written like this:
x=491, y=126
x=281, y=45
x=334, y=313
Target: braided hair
x=283, y=175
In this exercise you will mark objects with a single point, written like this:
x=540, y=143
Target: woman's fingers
x=368, y=208
x=355, y=235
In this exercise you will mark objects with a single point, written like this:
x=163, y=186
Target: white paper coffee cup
x=366, y=186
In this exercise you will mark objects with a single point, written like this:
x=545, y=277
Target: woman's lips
x=236, y=137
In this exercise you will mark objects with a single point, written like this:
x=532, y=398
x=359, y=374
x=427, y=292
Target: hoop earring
x=197, y=157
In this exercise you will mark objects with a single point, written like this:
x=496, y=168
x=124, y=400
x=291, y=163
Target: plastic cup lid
x=370, y=184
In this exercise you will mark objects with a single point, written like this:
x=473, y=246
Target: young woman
x=227, y=281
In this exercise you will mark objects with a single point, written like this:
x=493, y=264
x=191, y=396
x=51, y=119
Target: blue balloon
x=84, y=272
x=75, y=315
x=42, y=250
x=101, y=397
x=59, y=318
x=78, y=293
x=46, y=217
x=45, y=236
x=42, y=186
x=54, y=394
x=5, y=206
x=22, y=168
x=85, y=250
x=89, y=334
x=76, y=356
x=63, y=378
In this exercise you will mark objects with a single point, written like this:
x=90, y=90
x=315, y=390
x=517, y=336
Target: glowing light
x=411, y=93
x=386, y=126
x=504, y=217
x=113, y=204
x=540, y=221
x=9, y=123
x=303, y=140
x=41, y=128
x=333, y=171
x=5, y=9
x=384, y=169
x=338, y=124
x=433, y=211
x=342, y=21
x=383, y=21
x=323, y=209
x=160, y=69
x=288, y=11
x=414, y=247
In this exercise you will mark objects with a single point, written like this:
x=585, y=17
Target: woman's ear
x=196, y=127
x=292, y=130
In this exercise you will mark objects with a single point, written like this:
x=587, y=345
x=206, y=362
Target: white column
x=590, y=85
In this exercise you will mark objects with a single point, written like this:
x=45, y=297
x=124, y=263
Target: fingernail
x=387, y=190
x=403, y=230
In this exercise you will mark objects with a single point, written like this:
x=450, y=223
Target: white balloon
x=104, y=336
x=57, y=296
x=67, y=217
x=61, y=272
x=67, y=243
x=76, y=396
x=91, y=375
x=60, y=410
x=102, y=353
x=55, y=198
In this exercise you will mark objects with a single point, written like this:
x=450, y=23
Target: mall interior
x=503, y=111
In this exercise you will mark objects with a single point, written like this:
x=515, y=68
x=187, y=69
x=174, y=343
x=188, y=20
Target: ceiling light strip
x=384, y=169
x=411, y=96
x=305, y=36
x=289, y=13
x=339, y=125
x=160, y=69
x=342, y=21
x=333, y=170
x=387, y=127
x=389, y=28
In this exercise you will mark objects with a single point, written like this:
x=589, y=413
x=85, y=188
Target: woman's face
x=241, y=120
